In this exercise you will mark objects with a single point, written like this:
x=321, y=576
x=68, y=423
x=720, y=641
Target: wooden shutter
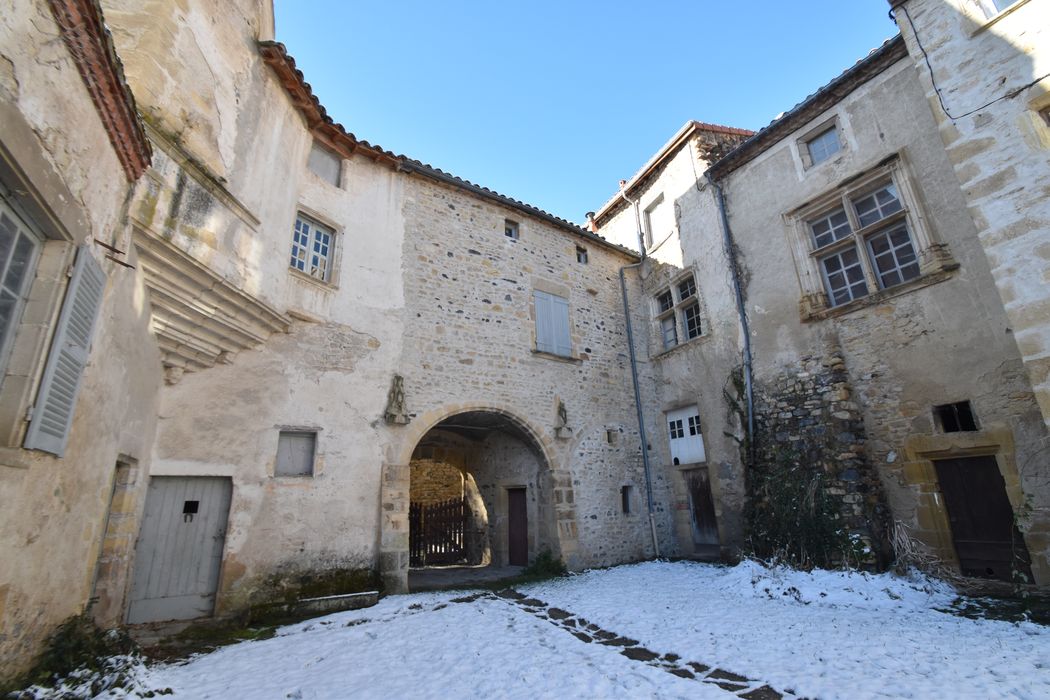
x=53, y=413
x=560, y=318
x=544, y=322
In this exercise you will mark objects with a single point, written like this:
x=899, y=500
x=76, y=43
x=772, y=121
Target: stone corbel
x=936, y=257
x=562, y=431
x=813, y=303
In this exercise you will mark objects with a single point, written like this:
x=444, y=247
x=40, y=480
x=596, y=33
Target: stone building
x=76, y=428
x=318, y=341
x=985, y=69
x=868, y=323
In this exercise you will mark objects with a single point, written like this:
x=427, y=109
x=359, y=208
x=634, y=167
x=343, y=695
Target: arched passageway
x=479, y=493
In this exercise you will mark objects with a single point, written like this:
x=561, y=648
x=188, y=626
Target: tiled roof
x=337, y=137
x=891, y=51
x=90, y=44
x=661, y=156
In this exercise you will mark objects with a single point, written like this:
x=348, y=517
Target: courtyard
x=656, y=629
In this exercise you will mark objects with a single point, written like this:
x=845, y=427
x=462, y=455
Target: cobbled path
x=590, y=633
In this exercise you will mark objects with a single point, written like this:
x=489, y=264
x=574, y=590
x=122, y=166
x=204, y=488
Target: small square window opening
x=510, y=229
x=295, y=453
x=956, y=417
x=823, y=146
x=581, y=255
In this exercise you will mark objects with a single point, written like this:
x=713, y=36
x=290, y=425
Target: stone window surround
x=335, y=255
x=802, y=143
x=677, y=310
x=62, y=226
x=318, y=466
x=566, y=293
x=919, y=472
x=935, y=261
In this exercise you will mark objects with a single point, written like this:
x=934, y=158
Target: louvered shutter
x=544, y=322
x=560, y=316
x=53, y=412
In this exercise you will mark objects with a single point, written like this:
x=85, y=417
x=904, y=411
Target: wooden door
x=702, y=510
x=987, y=540
x=179, y=552
x=517, y=528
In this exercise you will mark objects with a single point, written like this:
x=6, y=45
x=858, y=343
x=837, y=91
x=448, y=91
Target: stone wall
x=998, y=143
x=809, y=418
x=434, y=481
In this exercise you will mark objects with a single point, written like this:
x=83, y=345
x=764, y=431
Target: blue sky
x=553, y=102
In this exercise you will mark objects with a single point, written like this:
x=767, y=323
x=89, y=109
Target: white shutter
x=56, y=400
x=544, y=322
x=560, y=318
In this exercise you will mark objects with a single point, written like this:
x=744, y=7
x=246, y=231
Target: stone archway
x=497, y=455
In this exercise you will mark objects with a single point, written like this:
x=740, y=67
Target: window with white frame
x=313, y=247
x=863, y=243
x=686, y=439
x=678, y=312
x=511, y=229
x=552, y=324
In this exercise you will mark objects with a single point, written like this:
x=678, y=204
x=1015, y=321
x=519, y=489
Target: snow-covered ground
x=666, y=626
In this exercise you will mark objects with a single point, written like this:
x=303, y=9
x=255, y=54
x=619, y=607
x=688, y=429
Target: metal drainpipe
x=634, y=375
x=727, y=240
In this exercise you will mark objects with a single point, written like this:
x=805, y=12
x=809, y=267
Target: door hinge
x=29, y=413
x=69, y=270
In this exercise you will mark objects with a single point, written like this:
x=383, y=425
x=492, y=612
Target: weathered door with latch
x=179, y=551
x=702, y=510
x=987, y=540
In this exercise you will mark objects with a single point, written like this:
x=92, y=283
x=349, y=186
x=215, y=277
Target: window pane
x=844, y=277
x=692, y=321
x=877, y=205
x=893, y=256
x=686, y=289
x=664, y=301
x=311, y=248
x=670, y=332
x=830, y=228
x=823, y=146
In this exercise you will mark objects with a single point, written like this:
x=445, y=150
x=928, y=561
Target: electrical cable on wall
x=936, y=88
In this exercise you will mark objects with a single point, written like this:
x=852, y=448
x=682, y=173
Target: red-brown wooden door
x=517, y=528
x=987, y=540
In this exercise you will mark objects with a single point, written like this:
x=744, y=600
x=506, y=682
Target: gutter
x=741, y=310
x=634, y=378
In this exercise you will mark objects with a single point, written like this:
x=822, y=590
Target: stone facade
x=419, y=360
x=989, y=93
x=70, y=147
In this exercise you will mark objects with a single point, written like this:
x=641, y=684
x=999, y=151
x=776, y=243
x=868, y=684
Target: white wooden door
x=179, y=552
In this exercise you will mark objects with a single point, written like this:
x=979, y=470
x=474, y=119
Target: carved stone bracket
x=199, y=318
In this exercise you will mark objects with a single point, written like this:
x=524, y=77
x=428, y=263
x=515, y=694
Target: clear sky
x=553, y=102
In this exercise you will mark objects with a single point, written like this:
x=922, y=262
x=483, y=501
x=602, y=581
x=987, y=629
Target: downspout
x=730, y=249
x=634, y=373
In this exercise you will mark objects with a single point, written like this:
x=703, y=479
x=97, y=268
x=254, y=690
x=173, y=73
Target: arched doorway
x=478, y=496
